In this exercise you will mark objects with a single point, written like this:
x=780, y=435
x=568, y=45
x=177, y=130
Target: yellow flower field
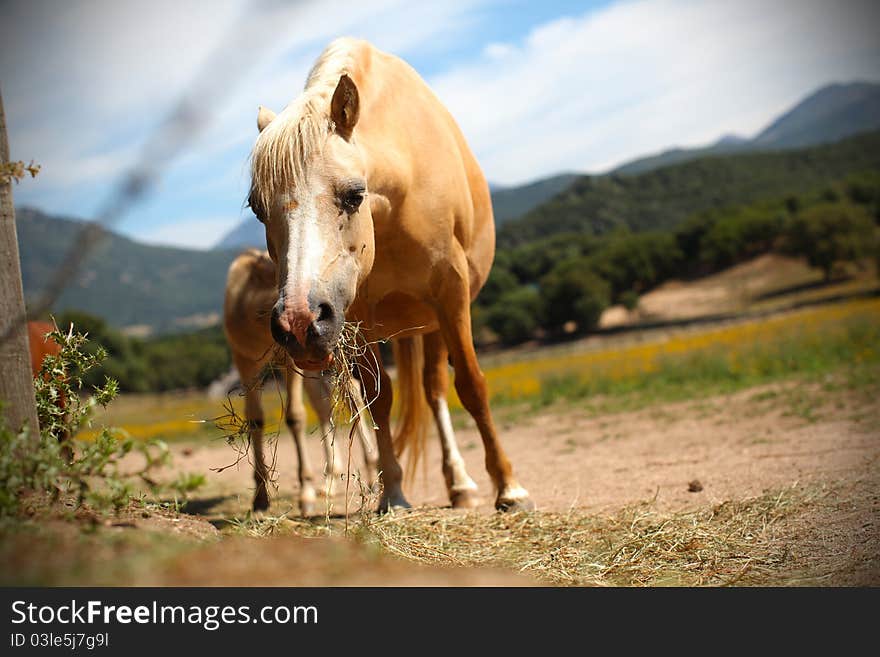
x=804, y=341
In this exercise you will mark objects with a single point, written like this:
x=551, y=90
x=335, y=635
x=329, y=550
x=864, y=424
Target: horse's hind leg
x=453, y=311
x=249, y=373
x=295, y=417
x=462, y=489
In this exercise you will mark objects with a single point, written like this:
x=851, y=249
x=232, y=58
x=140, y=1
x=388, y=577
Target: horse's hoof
x=386, y=504
x=464, y=499
x=307, y=509
x=261, y=501
x=520, y=504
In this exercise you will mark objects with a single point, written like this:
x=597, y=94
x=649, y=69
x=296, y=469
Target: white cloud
x=589, y=92
x=85, y=83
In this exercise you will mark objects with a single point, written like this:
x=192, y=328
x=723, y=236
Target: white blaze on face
x=305, y=247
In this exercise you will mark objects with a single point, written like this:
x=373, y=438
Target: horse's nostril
x=325, y=313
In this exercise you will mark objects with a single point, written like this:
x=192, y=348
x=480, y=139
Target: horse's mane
x=297, y=134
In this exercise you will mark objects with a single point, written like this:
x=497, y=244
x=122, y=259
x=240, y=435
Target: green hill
x=512, y=202
x=662, y=198
x=123, y=281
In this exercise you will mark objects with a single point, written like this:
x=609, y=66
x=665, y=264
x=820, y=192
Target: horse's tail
x=414, y=414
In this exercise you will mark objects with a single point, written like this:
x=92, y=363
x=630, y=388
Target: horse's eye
x=256, y=208
x=350, y=200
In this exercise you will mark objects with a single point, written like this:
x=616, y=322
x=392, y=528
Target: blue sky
x=537, y=87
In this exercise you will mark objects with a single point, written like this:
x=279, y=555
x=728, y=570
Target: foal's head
x=309, y=189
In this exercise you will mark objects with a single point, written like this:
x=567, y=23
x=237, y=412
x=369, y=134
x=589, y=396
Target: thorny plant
x=86, y=473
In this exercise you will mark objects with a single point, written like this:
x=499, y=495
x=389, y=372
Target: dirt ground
x=767, y=282
x=683, y=456
x=735, y=445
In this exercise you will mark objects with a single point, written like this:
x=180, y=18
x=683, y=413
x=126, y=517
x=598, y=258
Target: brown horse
x=41, y=346
x=250, y=293
x=377, y=212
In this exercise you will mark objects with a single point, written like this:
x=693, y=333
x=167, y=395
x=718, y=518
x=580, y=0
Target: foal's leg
x=295, y=416
x=365, y=433
x=319, y=396
x=453, y=311
x=377, y=388
x=462, y=489
x=249, y=373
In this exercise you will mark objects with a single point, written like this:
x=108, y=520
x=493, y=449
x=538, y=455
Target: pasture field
x=745, y=453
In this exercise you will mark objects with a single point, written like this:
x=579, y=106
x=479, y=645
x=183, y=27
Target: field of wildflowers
x=677, y=365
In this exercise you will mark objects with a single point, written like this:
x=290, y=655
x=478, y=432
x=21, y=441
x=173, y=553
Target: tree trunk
x=16, y=383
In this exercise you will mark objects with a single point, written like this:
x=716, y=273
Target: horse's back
x=423, y=164
x=250, y=293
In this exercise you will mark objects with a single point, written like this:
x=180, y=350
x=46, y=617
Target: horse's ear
x=264, y=117
x=345, y=106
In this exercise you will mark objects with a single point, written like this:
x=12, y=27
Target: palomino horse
x=250, y=293
x=376, y=212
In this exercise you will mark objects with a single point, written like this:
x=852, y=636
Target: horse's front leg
x=377, y=388
x=319, y=394
x=295, y=416
x=249, y=373
x=366, y=436
x=453, y=310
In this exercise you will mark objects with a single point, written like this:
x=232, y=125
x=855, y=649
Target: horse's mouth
x=315, y=365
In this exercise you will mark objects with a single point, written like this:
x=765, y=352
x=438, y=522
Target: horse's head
x=309, y=189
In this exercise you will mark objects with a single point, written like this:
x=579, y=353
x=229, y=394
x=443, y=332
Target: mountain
x=507, y=202
x=125, y=282
x=248, y=233
x=830, y=114
x=512, y=202
x=662, y=198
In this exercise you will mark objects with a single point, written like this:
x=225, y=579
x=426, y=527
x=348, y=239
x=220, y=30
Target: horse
x=250, y=294
x=377, y=215
x=40, y=346
x=248, y=301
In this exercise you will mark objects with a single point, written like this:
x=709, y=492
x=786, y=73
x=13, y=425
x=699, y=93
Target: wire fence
x=239, y=49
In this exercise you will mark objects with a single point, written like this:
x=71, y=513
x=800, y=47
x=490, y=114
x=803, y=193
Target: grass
x=735, y=542
x=690, y=365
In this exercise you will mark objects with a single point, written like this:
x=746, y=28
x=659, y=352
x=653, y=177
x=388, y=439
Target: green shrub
x=573, y=292
x=830, y=233
x=47, y=464
x=514, y=317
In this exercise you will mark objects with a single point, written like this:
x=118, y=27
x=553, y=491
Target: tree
x=573, y=292
x=829, y=233
x=514, y=317
x=16, y=384
x=500, y=281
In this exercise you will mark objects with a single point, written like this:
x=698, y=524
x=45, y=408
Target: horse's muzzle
x=309, y=338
